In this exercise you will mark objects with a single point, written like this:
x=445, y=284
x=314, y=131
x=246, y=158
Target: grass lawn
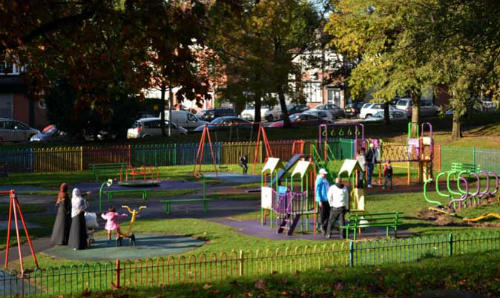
x=469, y=273
x=26, y=208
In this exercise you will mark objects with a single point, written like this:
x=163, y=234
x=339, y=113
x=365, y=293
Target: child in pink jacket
x=112, y=223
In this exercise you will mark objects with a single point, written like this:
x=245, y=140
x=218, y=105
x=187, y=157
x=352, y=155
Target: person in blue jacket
x=321, y=186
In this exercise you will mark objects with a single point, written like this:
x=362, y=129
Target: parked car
x=15, y=131
x=48, y=134
x=209, y=115
x=335, y=110
x=371, y=109
x=325, y=115
x=269, y=113
x=393, y=115
x=184, y=119
x=295, y=108
x=426, y=107
x=301, y=119
x=352, y=110
x=148, y=127
x=226, y=123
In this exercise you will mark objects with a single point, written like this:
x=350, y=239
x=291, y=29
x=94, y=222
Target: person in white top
x=338, y=198
x=78, y=231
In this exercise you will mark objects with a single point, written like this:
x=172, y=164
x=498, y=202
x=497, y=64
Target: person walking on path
x=388, y=175
x=244, y=163
x=370, y=158
x=338, y=198
x=78, y=231
x=321, y=189
x=60, y=232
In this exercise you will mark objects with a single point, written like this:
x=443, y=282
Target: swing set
x=15, y=209
x=206, y=138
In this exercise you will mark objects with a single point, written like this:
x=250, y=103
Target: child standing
x=112, y=223
x=387, y=174
x=243, y=163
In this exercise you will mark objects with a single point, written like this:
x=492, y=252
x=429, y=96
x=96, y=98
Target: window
x=333, y=95
x=6, y=107
x=191, y=117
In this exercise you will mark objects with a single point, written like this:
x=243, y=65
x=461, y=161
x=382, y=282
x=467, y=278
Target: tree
x=258, y=42
x=104, y=50
x=379, y=34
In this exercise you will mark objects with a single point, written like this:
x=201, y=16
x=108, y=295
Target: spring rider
x=129, y=233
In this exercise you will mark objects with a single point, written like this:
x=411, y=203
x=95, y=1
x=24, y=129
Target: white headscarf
x=77, y=203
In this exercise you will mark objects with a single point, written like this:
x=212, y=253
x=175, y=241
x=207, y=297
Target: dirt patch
x=440, y=219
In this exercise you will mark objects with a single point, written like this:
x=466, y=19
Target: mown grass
x=450, y=277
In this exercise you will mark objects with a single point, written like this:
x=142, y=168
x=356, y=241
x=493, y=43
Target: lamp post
x=107, y=183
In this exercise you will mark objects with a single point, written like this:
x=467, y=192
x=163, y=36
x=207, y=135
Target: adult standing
x=78, y=231
x=370, y=158
x=60, y=232
x=321, y=188
x=338, y=198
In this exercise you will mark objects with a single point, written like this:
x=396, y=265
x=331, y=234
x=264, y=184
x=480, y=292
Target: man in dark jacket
x=370, y=158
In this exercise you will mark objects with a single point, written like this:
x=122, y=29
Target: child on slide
x=112, y=223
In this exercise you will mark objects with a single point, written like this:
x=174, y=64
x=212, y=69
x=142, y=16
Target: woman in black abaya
x=60, y=232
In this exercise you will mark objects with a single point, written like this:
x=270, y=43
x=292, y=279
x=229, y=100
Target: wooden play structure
x=418, y=150
x=15, y=210
x=206, y=138
x=288, y=194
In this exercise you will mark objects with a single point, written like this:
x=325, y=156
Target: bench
x=107, y=169
x=464, y=167
x=109, y=192
x=168, y=203
x=367, y=220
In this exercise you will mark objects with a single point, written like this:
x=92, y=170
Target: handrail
x=486, y=191
x=497, y=182
x=465, y=196
x=425, y=193
x=437, y=186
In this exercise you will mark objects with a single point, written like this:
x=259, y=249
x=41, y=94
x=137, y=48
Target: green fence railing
x=158, y=272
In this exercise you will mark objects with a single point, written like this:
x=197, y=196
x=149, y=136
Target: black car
x=209, y=115
x=352, y=110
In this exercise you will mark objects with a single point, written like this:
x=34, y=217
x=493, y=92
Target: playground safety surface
x=148, y=246
x=233, y=177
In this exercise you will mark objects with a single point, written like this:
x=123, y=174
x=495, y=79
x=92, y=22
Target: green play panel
x=147, y=246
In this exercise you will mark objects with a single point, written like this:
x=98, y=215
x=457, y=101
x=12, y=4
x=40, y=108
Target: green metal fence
x=73, y=280
x=486, y=159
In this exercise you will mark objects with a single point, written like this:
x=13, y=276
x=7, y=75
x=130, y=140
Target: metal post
x=450, y=242
x=474, y=157
x=241, y=261
x=117, y=273
x=351, y=253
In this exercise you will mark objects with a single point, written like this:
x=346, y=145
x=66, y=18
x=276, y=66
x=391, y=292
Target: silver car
x=15, y=131
x=334, y=110
x=148, y=127
x=426, y=107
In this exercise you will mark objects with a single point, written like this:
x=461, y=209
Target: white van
x=184, y=119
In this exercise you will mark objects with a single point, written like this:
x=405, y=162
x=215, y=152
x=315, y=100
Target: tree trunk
x=258, y=104
x=170, y=104
x=415, y=114
x=284, y=110
x=456, y=128
x=387, y=118
x=162, y=110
